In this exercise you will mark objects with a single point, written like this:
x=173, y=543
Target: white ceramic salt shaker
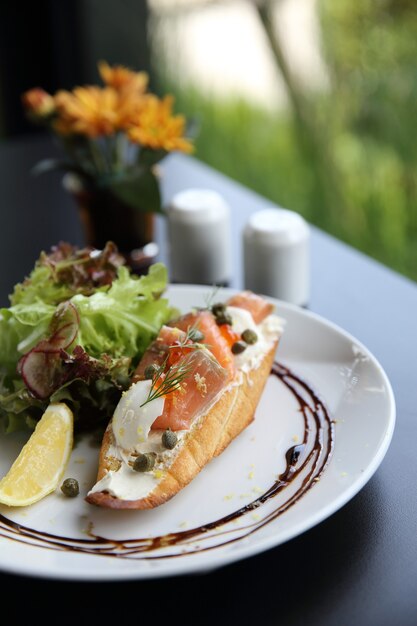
x=276, y=255
x=199, y=237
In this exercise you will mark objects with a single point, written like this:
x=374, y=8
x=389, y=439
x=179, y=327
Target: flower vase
x=105, y=217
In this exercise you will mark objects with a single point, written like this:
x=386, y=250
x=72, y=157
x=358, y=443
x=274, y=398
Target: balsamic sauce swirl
x=305, y=463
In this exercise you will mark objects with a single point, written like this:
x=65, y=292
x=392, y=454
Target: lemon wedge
x=42, y=460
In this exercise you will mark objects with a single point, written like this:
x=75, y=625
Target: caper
x=144, y=462
x=218, y=309
x=169, y=439
x=150, y=371
x=195, y=335
x=224, y=319
x=70, y=487
x=249, y=336
x=238, y=347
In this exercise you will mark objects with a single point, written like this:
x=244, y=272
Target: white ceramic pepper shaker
x=276, y=255
x=199, y=237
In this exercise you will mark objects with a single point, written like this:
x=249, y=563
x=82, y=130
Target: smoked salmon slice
x=159, y=350
x=209, y=366
x=256, y=305
x=205, y=380
x=213, y=338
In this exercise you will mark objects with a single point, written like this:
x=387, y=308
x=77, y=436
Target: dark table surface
x=357, y=567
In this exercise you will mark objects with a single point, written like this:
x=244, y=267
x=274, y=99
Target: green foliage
x=138, y=188
x=371, y=50
x=363, y=188
x=258, y=149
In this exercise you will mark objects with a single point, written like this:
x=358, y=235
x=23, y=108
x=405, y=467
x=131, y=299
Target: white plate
x=67, y=538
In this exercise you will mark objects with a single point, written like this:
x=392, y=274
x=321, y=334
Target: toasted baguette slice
x=207, y=438
x=215, y=400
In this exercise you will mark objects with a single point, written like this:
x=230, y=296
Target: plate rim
x=216, y=559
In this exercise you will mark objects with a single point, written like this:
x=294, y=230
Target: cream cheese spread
x=127, y=484
x=132, y=418
x=267, y=332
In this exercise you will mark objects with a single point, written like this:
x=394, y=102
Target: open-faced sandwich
x=195, y=389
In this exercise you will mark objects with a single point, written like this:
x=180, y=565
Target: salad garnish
x=74, y=333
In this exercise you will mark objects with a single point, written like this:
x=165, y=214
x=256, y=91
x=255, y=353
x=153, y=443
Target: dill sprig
x=192, y=334
x=210, y=297
x=189, y=346
x=172, y=381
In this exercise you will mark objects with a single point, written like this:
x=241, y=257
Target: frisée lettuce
x=77, y=327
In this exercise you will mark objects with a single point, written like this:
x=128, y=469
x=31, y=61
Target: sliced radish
x=41, y=372
x=63, y=329
x=42, y=367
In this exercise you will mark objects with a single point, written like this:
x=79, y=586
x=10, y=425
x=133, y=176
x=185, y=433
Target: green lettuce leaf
x=66, y=271
x=124, y=320
x=117, y=322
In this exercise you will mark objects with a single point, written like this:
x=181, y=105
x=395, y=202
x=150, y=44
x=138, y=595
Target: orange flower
x=38, y=103
x=156, y=127
x=91, y=111
x=130, y=105
x=120, y=77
